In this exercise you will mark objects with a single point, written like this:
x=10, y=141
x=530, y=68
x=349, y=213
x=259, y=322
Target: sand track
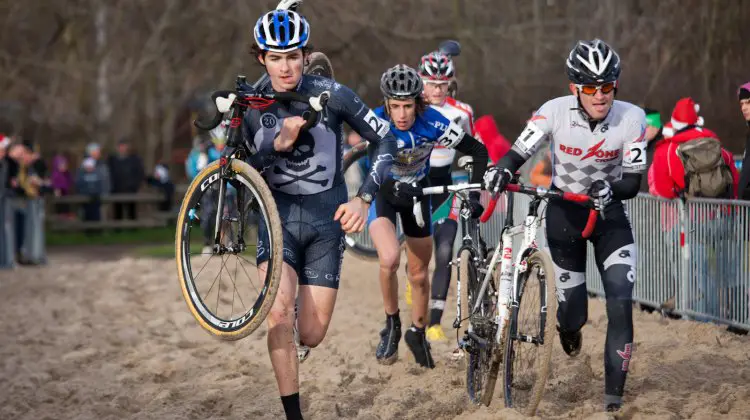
x=113, y=339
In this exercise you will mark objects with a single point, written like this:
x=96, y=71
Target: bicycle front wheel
x=478, y=329
x=529, y=340
x=225, y=223
x=356, y=167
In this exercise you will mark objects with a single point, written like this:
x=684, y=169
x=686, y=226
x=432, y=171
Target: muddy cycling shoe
x=417, y=342
x=571, y=342
x=611, y=408
x=387, y=351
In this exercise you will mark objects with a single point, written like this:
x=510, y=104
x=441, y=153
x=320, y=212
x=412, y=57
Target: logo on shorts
x=268, y=121
x=626, y=356
x=289, y=255
x=310, y=273
x=564, y=277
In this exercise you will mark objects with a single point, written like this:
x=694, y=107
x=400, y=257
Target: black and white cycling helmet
x=401, y=82
x=281, y=31
x=593, y=62
x=436, y=66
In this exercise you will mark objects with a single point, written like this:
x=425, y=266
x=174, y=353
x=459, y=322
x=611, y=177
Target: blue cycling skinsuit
x=412, y=163
x=307, y=183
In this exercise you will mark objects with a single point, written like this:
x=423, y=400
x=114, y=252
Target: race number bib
x=452, y=136
x=378, y=125
x=635, y=156
x=530, y=138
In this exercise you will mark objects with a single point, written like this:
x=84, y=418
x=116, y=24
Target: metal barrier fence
x=693, y=258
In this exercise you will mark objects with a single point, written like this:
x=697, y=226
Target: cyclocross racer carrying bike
x=437, y=72
x=303, y=170
x=597, y=146
x=418, y=128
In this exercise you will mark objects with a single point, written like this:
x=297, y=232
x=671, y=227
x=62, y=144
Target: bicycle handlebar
x=225, y=99
x=553, y=194
x=417, y=209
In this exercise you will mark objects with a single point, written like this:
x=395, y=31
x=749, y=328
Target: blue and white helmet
x=281, y=31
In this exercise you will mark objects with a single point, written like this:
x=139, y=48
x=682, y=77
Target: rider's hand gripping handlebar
x=545, y=193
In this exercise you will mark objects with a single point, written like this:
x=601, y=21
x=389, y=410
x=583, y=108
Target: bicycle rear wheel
x=355, y=171
x=529, y=341
x=479, y=332
x=218, y=274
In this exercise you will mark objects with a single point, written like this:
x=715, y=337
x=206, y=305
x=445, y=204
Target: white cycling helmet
x=281, y=31
x=436, y=66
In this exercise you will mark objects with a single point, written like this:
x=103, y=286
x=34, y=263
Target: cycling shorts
x=313, y=241
x=385, y=205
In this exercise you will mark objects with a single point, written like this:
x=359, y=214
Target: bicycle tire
x=548, y=305
x=359, y=243
x=242, y=326
x=496, y=357
x=479, y=385
x=318, y=64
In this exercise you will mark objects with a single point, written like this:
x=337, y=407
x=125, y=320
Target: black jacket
x=126, y=173
x=743, y=191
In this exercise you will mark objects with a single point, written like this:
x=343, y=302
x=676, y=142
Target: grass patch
x=124, y=237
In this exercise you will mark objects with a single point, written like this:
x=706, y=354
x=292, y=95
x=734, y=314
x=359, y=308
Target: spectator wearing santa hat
x=667, y=175
x=690, y=162
x=743, y=94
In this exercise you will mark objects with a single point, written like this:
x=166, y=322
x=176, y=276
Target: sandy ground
x=91, y=339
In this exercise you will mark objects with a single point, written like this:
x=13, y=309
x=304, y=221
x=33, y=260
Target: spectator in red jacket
x=666, y=176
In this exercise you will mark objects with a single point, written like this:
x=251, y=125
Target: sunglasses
x=591, y=89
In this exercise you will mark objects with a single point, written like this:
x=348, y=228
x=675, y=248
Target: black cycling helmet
x=592, y=63
x=401, y=82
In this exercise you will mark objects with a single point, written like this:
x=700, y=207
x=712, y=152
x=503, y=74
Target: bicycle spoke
x=212, y=284
x=218, y=292
x=235, y=288
x=249, y=278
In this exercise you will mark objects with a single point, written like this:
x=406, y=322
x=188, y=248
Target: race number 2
x=530, y=138
x=635, y=156
x=378, y=125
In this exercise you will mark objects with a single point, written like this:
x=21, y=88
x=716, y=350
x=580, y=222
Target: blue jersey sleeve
x=373, y=128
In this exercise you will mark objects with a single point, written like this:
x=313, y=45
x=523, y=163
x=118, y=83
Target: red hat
x=685, y=113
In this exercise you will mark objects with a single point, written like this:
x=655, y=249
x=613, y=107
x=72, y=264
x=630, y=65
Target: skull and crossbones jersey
x=315, y=163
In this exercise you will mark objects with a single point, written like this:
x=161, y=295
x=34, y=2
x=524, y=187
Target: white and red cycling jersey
x=459, y=113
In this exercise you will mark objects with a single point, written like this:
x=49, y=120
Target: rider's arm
x=537, y=129
x=468, y=145
x=370, y=127
x=633, y=157
x=264, y=154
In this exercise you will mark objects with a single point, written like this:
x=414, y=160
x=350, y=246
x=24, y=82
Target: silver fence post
x=7, y=234
x=684, y=273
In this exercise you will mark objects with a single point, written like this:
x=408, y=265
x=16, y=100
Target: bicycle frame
x=237, y=101
x=510, y=271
